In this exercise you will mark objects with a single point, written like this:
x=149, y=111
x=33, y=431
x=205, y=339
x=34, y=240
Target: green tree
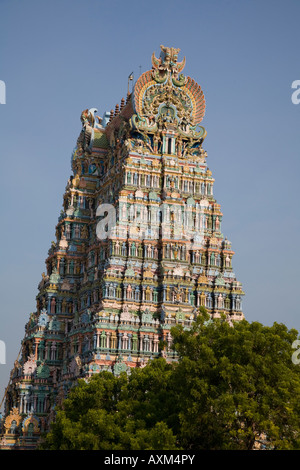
x=231, y=387
x=116, y=413
x=236, y=385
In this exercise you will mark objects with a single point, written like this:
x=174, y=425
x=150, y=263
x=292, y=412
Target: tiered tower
x=138, y=249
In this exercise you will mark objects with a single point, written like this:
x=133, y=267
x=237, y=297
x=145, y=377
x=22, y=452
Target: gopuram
x=139, y=248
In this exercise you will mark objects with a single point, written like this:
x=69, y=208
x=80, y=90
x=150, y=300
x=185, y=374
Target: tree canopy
x=232, y=387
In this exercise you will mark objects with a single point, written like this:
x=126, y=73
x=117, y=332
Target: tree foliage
x=232, y=387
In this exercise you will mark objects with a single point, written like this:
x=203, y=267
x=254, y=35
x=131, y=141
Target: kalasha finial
x=111, y=114
x=117, y=110
x=122, y=104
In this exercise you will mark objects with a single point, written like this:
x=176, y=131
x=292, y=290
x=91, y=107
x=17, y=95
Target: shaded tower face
x=139, y=247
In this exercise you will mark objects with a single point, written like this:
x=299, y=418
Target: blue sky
x=60, y=57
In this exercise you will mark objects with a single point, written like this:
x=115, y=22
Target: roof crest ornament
x=167, y=64
x=165, y=98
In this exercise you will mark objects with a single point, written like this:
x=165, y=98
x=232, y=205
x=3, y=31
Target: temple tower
x=139, y=248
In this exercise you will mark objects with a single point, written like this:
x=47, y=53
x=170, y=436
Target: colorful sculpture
x=138, y=249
